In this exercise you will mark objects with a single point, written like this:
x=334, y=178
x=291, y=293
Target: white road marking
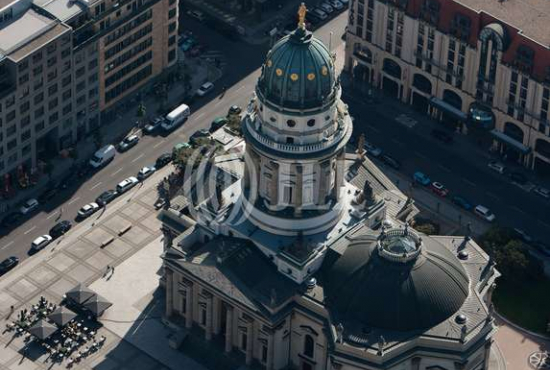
x=469, y=182
x=117, y=171
x=158, y=144
x=421, y=155
x=29, y=230
x=517, y=209
x=444, y=168
x=7, y=245
x=52, y=215
x=96, y=185
x=492, y=196
x=74, y=200
x=137, y=158
x=218, y=103
x=200, y=115
x=373, y=128
x=240, y=88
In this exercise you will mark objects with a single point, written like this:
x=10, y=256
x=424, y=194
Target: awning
x=42, y=329
x=62, y=316
x=97, y=305
x=80, y=294
x=501, y=136
x=446, y=107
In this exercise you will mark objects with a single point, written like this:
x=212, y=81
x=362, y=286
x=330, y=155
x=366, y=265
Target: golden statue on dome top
x=302, y=11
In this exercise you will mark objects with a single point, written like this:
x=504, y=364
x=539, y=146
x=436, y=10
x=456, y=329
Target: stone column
x=416, y=363
x=274, y=189
x=215, y=315
x=169, y=292
x=487, y=354
x=249, y=343
x=189, y=306
x=324, y=182
x=229, y=329
x=270, y=351
x=298, y=190
x=208, y=328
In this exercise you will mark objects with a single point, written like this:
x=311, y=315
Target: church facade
x=305, y=260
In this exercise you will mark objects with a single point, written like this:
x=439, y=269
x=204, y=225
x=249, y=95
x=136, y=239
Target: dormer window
x=311, y=123
x=429, y=11
x=460, y=26
x=524, y=58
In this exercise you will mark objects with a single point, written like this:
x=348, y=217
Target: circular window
x=261, y=108
x=291, y=123
x=311, y=76
x=311, y=123
x=327, y=118
x=272, y=119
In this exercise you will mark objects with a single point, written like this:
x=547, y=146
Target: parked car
x=204, y=133
x=336, y=4
x=325, y=6
x=522, y=235
x=60, y=229
x=205, y=88
x=103, y=156
x=40, y=243
x=442, y=136
x=48, y=194
x=8, y=264
x=128, y=142
x=543, y=192
x=29, y=206
x=179, y=146
x=484, y=213
x=197, y=14
x=234, y=109
x=188, y=44
x=218, y=123
x=153, y=125
x=518, y=178
x=68, y=180
x=497, y=166
x=421, y=178
x=163, y=160
x=126, y=184
x=462, y=202
x=11, y=219
x=390, y=161
x=372, y=149
x=87, y=210
x=319, y=13
x=541, y=247
x=145, y=172
x=106, y=197
x=439, y=189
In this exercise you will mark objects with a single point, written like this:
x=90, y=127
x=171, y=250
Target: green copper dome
x=298, y=72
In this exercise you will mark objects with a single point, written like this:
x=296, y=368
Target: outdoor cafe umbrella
x=62, y=316
x=80, y=293
x=97, y=305
x=42, y=329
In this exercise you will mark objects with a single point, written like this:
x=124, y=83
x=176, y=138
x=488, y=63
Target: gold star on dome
x=279, y=72
x=269, y=63
x=294, y=77
x=324, y=71
x=311, y=76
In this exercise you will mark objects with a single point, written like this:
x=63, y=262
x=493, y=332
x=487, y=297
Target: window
x=80, y=72
x=51, y=61
x=171, y=27
x=244, y=341
x=24, y=78
x=12, y=144
x=172, y=40
x=39, y=126
x=52, y=89
x=65, y=53
x=37, y=57
x=23, y=65
x=171, y=55
x=10, y=101
x=37, y=70
x=81, y=100
x=53, y=118
x=25, y=121
x=10, y=131
x=39, y=112
x=92, y=64
x=26, y=135
x=38, y=98
x=311, y=123
x=67, y=109
x=10, y=116
x=51, y=48
x=26, y=149
x=290, y=140
x=309, y=346
x=203, y=316
x=66, y=81
x=291, y=123
x=66, y=94
x=264, y=354
x=52, y=75
x=24, y=107
x=172, y=13
x=53, y=103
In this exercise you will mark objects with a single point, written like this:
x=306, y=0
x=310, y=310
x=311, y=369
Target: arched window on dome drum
x=309, y=346
x=291, y=123
x=311, y=123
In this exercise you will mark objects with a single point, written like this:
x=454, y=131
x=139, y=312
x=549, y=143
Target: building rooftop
x=61, y=9
x=28, y=32
x=531, y=17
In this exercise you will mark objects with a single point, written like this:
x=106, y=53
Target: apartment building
x=64, y=62
x=483, y=66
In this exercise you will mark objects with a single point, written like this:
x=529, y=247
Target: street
x=413, y=146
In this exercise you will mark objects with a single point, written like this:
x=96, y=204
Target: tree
x=234, y=123
x=141, y=113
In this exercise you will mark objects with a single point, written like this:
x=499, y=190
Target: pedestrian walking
x=112, y=269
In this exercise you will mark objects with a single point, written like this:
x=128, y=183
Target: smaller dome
x=298, y=72
x=398, y=282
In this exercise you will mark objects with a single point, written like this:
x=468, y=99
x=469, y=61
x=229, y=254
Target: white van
x=103, y=156
x=484, y=213
x=176, y=117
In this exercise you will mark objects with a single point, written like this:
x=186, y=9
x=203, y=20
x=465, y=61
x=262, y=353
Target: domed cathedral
x=296, y=138
x=307, y=261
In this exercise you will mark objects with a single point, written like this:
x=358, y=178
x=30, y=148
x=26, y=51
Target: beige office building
x=64, y=62
x=484, y=66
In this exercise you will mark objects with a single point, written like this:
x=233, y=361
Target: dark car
x=7, y=264
x=163, y=160
x=390, y=161
x=204, y=133
x=128, y=142
x=442, y=136
x=218, y=123
x=462, y=202
x=518, y=177
x=60, y=229
x=11, y=219
x=48, y=194
x=106, y=197
x=153, y=125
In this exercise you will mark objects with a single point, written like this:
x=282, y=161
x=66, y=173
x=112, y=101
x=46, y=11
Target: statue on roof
x=361, y=148
x=302, y=11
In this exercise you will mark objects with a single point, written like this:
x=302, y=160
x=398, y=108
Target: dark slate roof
x=361, y=286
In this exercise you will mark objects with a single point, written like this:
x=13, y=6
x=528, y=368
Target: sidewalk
x=111, y=131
